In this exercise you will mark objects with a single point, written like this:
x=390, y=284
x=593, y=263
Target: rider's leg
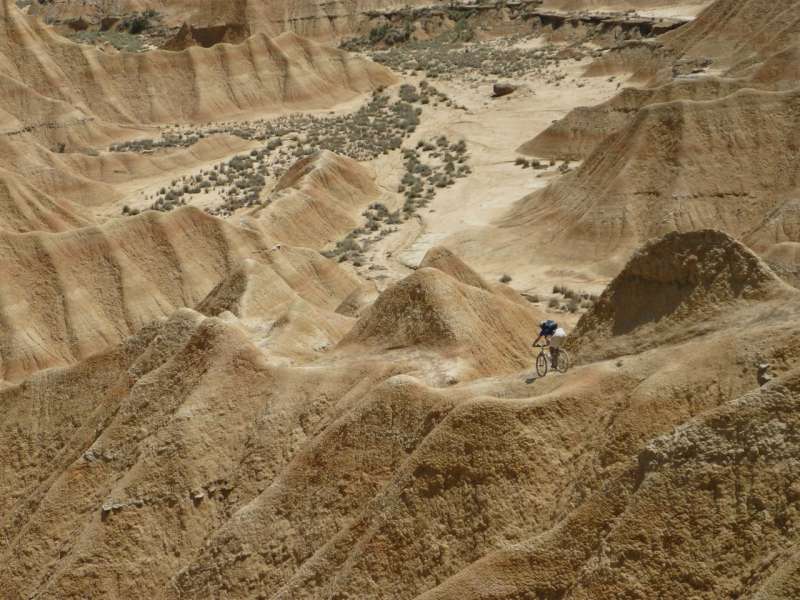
x=554, y=357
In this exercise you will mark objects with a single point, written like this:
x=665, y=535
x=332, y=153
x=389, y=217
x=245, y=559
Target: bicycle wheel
x=563, y=361
x=541, y=365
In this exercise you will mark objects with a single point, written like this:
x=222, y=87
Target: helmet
x=542, y=324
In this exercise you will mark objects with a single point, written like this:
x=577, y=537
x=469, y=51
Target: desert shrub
x=377, y=34
x=135, y=24
x=505, y=278
x=348, y=245
x=380, y=209
x=408, y=93
x=553, y=303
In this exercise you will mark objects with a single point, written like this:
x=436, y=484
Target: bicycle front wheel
x=563, y=361
x=541, y=365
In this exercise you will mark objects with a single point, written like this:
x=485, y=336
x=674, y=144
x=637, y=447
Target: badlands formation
x=270, y=273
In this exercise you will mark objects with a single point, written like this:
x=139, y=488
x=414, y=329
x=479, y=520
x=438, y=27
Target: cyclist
x=554, y=337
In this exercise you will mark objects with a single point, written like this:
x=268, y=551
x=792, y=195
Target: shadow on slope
x=673, y=288
x=291, y=317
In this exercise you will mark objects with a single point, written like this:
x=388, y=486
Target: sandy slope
x=68, y=296
x=196, y=410
x=739, y=30
x=318, y=201
x=676, y=165
x=348, y=477
x=194, y=84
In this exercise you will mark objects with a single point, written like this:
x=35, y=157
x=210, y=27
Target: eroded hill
x=339, y=479
x=266, y=306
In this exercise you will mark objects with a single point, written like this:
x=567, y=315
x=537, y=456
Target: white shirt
x=558, y=338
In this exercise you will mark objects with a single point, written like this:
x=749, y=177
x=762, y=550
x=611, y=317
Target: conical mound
x=674, y=285
x=443, y=259
x=431, y=309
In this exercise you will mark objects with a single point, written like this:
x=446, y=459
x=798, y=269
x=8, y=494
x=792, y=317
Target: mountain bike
x=543, y=361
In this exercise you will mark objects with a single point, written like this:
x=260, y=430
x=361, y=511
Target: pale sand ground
x=680, y=11
x=673, y=10
x=462, y=216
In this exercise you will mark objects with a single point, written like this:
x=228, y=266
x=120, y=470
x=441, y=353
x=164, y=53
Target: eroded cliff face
x=310, y=18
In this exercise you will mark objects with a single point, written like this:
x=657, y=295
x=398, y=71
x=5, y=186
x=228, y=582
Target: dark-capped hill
x=672, y=288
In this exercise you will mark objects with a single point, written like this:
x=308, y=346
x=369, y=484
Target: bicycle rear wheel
x=563, y=361
x=541, y=365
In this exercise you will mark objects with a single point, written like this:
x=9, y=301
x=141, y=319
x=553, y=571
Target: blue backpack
x=549, y=327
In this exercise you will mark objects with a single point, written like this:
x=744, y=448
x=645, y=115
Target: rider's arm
x=536, y=341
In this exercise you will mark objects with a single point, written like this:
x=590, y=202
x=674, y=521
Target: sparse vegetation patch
x=378, y=127
x=430, y=166
x=451, y=59
x=571, y=300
